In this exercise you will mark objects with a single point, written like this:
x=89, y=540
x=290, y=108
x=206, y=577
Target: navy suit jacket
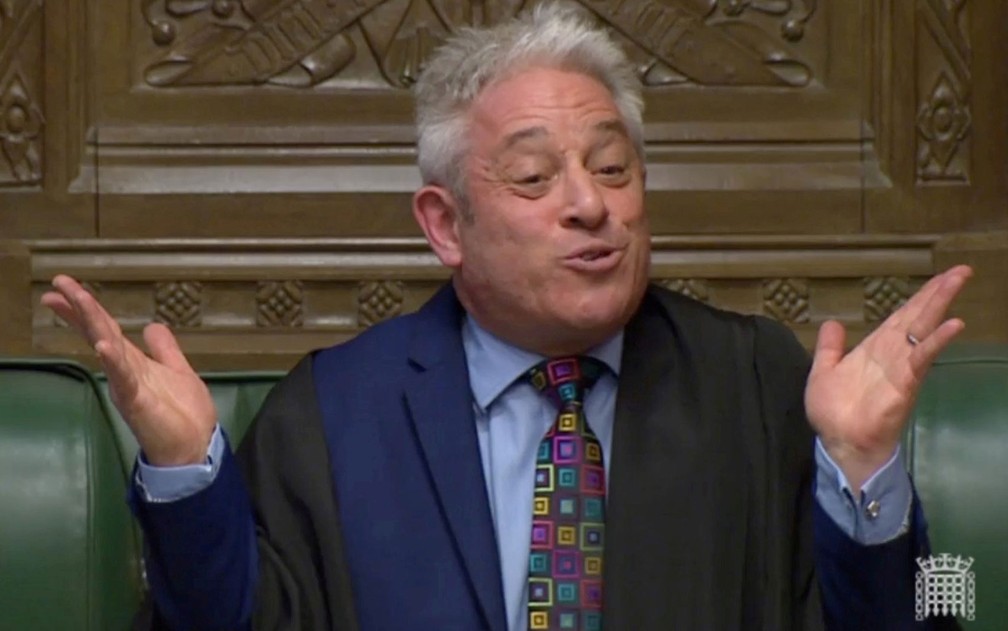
x=358, y=500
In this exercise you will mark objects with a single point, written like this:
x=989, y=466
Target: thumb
x=164, y=348
x=829, y=348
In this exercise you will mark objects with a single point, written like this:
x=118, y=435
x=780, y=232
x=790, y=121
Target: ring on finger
x=912, y=339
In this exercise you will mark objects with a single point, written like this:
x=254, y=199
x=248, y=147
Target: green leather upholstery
x=69, y=558
x=237, y=395
x=958, y=455
x=68, y=555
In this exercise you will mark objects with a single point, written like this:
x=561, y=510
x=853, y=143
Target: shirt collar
x=495, y=364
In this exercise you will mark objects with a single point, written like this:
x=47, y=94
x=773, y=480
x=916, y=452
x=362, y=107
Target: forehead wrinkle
x=529, y=133
x=608, y=128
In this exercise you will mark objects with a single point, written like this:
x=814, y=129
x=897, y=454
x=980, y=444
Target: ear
x=437, y=212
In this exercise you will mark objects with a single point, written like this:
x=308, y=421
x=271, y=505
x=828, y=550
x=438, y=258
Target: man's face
x=554, y=255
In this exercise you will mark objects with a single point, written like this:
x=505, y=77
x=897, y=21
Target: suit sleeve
x=260, y=547
x=201, y=555
x=861, y=586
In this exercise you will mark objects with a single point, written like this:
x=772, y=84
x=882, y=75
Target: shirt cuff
x=883, y=511
x=167, y=484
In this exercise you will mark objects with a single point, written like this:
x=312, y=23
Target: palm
x=870, y=420
x=858, y=402
x=166, y=405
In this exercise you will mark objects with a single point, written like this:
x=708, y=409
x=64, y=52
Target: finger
x=932, y=313
x=909, y=309
x=96, y=322
x=71, y=291
x=930, y=347
x=64, y=310
x=906, y=315
x=829, y=348
x=121, y=372
x=164, y=347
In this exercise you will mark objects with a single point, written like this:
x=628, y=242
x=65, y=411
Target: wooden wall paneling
x=984, y=303
x=196, y=142
x=15, y=299
x=253, y=162
x=262, y=303
x=755, y=121
x=941, y=116
x=46, y=179
x=739, y=143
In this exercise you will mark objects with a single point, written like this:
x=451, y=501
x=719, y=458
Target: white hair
x=552, y=35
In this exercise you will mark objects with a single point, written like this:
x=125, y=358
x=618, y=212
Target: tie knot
x=564, y=380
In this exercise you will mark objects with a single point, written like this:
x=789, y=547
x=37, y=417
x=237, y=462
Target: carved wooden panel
x=383, y=44
x=943, y=84
x=242, y=169
x=280, y=304
x=300, y=106
x=45, y=184
x=263, y=303
x=21, y=119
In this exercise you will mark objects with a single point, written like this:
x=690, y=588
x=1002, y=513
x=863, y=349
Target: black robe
x=710, y=504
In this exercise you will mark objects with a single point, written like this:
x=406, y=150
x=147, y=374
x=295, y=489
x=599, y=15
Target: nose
x=585, y=206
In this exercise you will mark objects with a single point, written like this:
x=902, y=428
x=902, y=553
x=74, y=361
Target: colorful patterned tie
x=568, y=515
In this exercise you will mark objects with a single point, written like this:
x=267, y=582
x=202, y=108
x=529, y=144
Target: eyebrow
x=523, y=134
x=612, y=125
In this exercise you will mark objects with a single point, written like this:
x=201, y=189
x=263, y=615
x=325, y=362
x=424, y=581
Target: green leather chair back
x=68, y=554
x=69, y=551
x=237, y=395
x=958, y=455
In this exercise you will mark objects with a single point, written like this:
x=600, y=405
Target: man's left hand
x=859, y=402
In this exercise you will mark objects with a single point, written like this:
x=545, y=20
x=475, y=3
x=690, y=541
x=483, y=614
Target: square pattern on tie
x=540, y=591
x=565, y=564
x=568, y=529
x=544, y=478
x=565, y=450
x=542, y=535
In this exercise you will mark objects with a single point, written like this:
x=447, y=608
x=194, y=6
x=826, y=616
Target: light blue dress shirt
x=512, y=418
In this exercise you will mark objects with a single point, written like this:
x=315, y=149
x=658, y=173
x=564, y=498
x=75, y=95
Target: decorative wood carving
x=324, y=291
x=786, y=299
x=304, y=43
x=21, y=119
x=883, y=295
x=695, y=288
x=301, y=43
x=279, y=303
x=944, y=119
x=178, y=303
x=712, y=42
x=263, y=125
x=379, y=300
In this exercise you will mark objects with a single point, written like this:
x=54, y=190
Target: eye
x=612, y=170
x=531, y=180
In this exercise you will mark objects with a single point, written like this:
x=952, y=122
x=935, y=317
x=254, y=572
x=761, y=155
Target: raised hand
x=859, y=402
x=166, y=405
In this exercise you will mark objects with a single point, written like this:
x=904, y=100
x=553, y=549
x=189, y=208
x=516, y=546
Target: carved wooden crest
x=304, y=43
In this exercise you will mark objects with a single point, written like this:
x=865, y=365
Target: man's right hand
x=167, y=406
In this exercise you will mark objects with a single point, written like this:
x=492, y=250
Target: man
x=412, y=477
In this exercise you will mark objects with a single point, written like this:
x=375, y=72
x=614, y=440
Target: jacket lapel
x=440, y=404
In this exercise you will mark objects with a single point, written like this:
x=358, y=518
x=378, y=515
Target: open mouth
x=594, y=255
x=594, y=259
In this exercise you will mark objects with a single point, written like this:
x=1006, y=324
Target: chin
x=602, y=318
